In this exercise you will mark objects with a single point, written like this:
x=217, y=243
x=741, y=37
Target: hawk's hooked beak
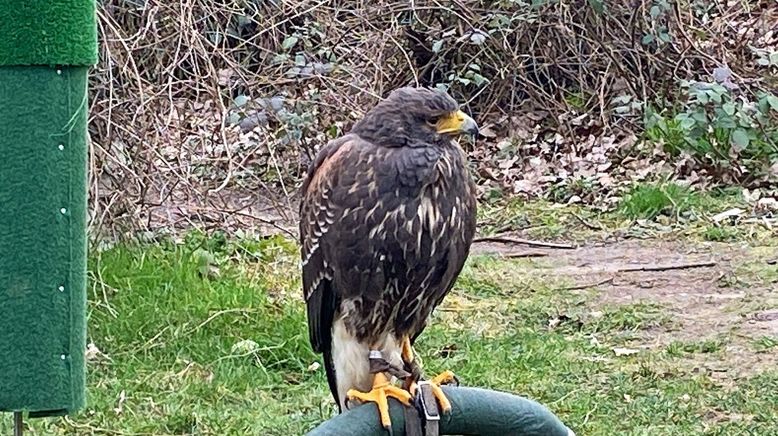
x=456, y=123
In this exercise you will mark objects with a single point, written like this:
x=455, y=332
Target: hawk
x=386, y=221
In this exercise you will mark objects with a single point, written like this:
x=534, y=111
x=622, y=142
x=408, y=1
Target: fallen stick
x=531, y=243
x=667, y=267
x=587, y=285
x=586, y=223
x=525, y=254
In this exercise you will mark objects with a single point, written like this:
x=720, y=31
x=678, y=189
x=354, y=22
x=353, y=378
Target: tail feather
x=329, y=368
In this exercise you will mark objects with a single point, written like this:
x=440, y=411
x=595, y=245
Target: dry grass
x=166, y=93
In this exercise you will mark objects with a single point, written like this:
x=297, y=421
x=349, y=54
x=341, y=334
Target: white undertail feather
x=350, y=359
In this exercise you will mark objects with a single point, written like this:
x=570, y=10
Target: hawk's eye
x=433, y=120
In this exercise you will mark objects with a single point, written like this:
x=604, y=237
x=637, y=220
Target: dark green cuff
x=48, y=32
x=473, y=411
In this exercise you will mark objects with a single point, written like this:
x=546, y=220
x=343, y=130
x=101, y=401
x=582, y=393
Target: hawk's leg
x=379, y=394
x=411, y=365
x=444, y=378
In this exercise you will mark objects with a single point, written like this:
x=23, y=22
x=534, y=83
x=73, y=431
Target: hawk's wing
x=317, y=213
x=354, y=195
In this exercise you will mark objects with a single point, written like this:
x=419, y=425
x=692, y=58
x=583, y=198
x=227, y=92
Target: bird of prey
x=387, y=217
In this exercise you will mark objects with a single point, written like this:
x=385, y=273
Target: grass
x=208, y=336
x=644, y=210
x=719, y=234
x=646, y=201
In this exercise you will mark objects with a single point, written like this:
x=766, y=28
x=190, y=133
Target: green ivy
x=719, y=126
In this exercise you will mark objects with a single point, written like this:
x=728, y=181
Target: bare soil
x=734, y=301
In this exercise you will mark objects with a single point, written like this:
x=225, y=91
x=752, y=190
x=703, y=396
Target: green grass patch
x=631, y=317
x=719, y=234
x=647, y=201
x=680, y=348
x=208, y=337
x=766, y=343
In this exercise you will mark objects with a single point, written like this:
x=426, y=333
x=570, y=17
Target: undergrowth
x=206, y=335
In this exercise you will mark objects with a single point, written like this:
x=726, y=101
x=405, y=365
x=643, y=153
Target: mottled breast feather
x=384, y=233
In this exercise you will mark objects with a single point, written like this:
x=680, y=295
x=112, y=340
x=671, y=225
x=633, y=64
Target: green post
x=46, y=48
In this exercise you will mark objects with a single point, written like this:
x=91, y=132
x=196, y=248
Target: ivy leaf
x=687, y=123
x=437, y=46
x=233, y=119
x=655, y=11
x=479, y=79
x=598, y=6
x=477, y=37
x=279, y=58
x=740, y=139
x=289, y=42
x=647, y=39
x=729, y=108
x=714, y=96
x=241, y=100
x=773, y=102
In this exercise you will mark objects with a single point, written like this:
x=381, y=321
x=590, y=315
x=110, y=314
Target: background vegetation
x=196, y=104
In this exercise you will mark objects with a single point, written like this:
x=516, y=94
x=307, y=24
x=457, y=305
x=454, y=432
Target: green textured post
x=473, y=412
x=46, y=48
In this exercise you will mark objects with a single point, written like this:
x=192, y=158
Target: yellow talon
x=407, y=350
x=445, y=405
x=412, y=386
x=382, y=389
x=444, y=378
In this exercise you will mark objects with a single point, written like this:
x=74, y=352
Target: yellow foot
x=444, y=378
x=408, y=358
x=407, y=350
x=380, y=393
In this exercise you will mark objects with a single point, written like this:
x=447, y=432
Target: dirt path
x=733, y=303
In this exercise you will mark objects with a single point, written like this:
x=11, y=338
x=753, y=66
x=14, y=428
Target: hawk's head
x=414, y=117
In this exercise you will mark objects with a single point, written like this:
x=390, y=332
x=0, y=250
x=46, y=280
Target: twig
x=587, y=285
x=531, y=243
x=525, y=254
x=586, y=223
x=219, y=313
x=667, y=267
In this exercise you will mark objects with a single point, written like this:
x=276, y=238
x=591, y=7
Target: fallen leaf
x=727, y=214
x=245, y=346
x=625, y=351
x=767, y=204
x=120, y=403
x=92, y=352
x=487, y=132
